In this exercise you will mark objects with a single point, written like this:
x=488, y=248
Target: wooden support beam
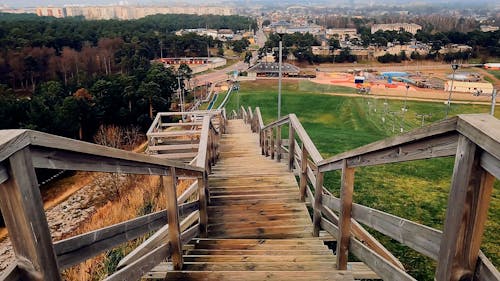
x=137, y=268
x=202, y=195
x=466, y=215
x=291, y=146
x=272, y=146
x=365, y=237
x=318, y=192
x=278, y=143
x=24, y=216
x=174, y=233
x=156, y=240
x=346, y=191
x=303, y=173
x=383, y=268
x=4, y=175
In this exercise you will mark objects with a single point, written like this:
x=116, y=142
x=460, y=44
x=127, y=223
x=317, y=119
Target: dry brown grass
x=137, y=193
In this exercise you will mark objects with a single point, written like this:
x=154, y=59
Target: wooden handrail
x=21, y=151
x=473, y=139
x=435, y=140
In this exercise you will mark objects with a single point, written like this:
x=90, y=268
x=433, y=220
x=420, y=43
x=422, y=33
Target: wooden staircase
x=258, y=228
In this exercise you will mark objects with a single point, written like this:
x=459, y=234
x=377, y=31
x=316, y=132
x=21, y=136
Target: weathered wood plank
x=419, y=237
x=282, y=121
x=490, y=164
x=303, y=173
x=23, y=213
x=176, y=156
x=167, y=134
x=202, y=160
x=204, y=199
x=108, y=155
x=439, y=146
x=190, y=233
x=4, y=175
x=483, y=130
x=485, y=270
x=259, y=275
x=343, y=239
x=365, y=237
x=188, y=192
x=174, y=232
x=466, y=214
x=12, y=273
x=278, y=143
x=318, y=193
x=304, y=137
x=11, y=141
x=78, y=248
x=185, y=124
x=383, y=268
x=139, y=267
x=422, y=135
x=291, y=147
x=175, y=147
x=156, y=240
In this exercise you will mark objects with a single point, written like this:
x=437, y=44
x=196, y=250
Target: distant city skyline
x=60, y=3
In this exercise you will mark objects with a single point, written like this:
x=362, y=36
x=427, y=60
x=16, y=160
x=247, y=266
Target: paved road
x=221, y=74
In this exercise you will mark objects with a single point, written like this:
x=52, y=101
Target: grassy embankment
x=416, y=190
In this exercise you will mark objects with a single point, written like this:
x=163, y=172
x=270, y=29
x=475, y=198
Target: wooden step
x=256, y=275
x=259, y=258
x=209, y=241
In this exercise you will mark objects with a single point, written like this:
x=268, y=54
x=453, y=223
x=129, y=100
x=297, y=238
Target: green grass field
x=495, y=72
x=415, y=190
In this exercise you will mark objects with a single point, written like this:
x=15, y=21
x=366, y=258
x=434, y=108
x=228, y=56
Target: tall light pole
x=454, y=67
x=279, y=79
x=280, y=31
x=406, y=97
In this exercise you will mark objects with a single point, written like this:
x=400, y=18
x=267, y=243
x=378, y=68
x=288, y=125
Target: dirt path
x=414, y=93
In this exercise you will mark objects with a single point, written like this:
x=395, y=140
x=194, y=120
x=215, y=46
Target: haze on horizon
x=57, y=3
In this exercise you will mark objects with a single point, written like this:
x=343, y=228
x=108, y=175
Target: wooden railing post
x=174, y=229
x=346, y=191
x=303, y=173
x=278, y=143
x=22, y=209
x=264, y=142
x=466, y=214
x=318, y=193
x=271, y=146
x=291, y=146
x=202, y=195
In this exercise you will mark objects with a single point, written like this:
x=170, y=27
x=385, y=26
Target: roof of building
x=273, y=67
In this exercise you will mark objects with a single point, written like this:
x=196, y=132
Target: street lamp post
x=454, y=67
x=406, y=97
x=280, y=75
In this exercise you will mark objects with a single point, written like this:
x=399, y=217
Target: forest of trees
x=69, y=76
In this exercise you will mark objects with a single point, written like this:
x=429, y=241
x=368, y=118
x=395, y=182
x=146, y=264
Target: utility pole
x=454, y=67
x=280, y=75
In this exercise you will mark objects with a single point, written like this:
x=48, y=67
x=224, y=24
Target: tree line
x=69, y=76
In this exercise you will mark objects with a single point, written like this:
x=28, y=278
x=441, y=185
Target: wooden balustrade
x=21, y=151
x=474, y=140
